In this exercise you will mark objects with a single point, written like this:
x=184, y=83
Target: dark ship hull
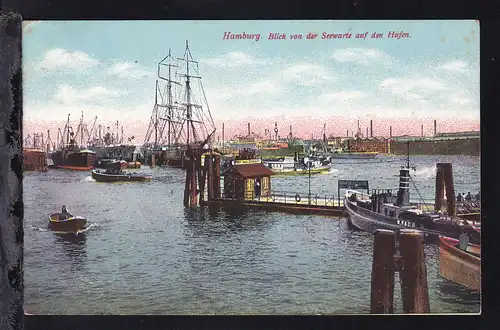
x=385, y=210
x=170, y=158
x=122, y=177
x=82, y=160
x=370, y=221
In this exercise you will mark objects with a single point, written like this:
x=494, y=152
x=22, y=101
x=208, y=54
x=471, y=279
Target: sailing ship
x=181, y=115
x=71, y=155
x=385, y=210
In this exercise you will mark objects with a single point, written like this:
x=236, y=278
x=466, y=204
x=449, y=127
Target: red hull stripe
x=77, y=168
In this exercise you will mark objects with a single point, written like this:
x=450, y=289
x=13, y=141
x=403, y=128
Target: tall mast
x=81, y=130
x=189, y=109
x=67, y=131
x=408, y=155
x=156, y=113
x=169, y=116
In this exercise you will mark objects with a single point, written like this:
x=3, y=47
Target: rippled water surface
x=145, y=254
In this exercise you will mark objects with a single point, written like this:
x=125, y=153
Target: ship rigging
x=181, y=115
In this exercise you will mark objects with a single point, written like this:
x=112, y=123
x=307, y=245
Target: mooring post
x=450, y=189
x=439, y=197
x=210, y=179
x=383, y=268
x=413, y=272
x=193, y=186
x=187, y=184
x=202, y=172
x=216, y=177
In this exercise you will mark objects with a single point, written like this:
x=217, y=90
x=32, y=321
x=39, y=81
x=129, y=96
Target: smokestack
x=347, y=134
x=249, y=130
x=390, y=131
x=223, y=137
x=371, y=128
x=291, y=131
x=422, y=130
x=435, y=127
x=367, y=132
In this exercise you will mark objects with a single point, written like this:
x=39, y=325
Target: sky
x=108, y=69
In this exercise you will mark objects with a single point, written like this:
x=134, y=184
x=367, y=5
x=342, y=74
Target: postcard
x=251, y=167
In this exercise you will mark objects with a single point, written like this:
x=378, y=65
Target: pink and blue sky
x=107, y=69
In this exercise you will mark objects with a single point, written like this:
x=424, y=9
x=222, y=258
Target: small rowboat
x=101, y=176
x=59, y=222
x=461, y=266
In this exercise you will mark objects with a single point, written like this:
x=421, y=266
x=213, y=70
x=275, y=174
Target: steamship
x=385, y=210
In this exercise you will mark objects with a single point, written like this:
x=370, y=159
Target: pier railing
x=291, y=198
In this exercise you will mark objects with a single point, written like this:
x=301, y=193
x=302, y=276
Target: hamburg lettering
x=232, y=36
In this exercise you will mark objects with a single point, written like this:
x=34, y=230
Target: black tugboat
x=385, y=210
x=114, y=173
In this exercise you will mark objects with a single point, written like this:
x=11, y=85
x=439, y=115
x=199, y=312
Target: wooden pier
x=289, y=203
x=246, y=185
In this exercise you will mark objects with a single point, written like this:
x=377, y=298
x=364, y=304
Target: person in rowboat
x=64, y=213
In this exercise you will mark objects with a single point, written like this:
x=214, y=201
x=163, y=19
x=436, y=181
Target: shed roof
x=252, y=170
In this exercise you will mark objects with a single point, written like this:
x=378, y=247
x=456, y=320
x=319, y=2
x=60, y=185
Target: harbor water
x=144, y=253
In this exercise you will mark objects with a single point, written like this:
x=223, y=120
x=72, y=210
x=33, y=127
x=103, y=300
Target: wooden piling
x=216, y=178
x=450, y=189
x=193, y=200
x=187, y=185
x=439, y=194
x=382, y=281
x=210, y=178
x=201, y=169
x=413, y=274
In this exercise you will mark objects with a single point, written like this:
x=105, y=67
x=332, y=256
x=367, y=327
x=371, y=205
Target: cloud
x=455, y=66
x=127, y=70
x=305, y=74
x=76, y=61
x=459, y=99
x=263, y=87
x=233, y=59
x=411, y=85
x=342, y=96
x=66, y=94
x=360, y=55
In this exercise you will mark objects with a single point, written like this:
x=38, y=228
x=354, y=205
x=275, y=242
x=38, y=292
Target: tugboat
x=110, y=163
x=114, y=173
x=385, y=210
